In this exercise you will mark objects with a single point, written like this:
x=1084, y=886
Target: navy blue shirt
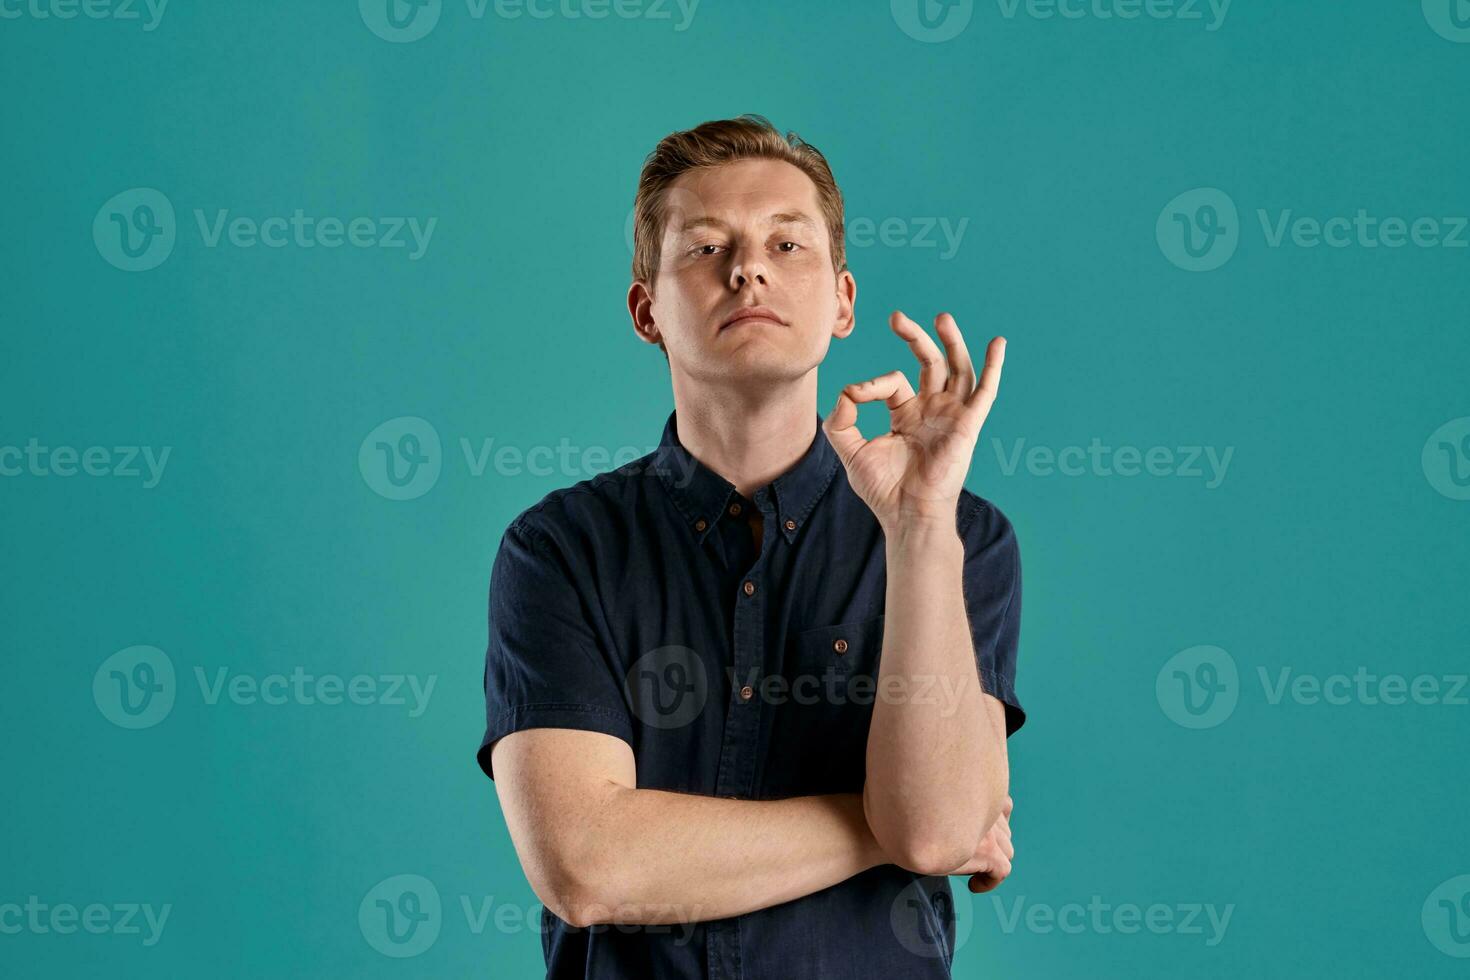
x=638, y=604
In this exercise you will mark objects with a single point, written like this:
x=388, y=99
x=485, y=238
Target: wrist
x=928, y=534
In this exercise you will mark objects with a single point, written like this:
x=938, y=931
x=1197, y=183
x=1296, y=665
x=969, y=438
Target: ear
x=846, y=304
x=640, y=308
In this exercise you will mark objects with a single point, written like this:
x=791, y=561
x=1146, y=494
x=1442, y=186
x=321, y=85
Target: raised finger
x=961, y=368
x=984, y=394
x=932, y=370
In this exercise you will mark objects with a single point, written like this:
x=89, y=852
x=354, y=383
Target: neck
x=748, y=435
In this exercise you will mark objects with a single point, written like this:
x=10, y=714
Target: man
x=748, y=697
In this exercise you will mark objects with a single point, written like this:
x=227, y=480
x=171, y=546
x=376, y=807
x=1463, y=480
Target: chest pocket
x=820, y=732
x=844, y=650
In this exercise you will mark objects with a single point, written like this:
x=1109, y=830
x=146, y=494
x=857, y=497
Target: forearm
x=936, y=765
x=655, y=857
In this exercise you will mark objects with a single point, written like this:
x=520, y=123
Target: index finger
x=932, y=371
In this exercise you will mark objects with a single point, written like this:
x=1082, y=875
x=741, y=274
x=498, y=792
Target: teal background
x=264, y=547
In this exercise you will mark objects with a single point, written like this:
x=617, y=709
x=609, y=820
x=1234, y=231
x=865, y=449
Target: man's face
x=744, y=234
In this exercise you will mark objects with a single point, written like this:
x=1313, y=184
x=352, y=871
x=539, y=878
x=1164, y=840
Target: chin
x=764, y=362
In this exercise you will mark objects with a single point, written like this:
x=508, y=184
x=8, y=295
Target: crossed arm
x=598, y=850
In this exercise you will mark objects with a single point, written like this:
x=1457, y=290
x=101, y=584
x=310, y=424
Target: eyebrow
x=778, y=218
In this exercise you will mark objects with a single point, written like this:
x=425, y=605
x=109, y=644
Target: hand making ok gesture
x=915, y=471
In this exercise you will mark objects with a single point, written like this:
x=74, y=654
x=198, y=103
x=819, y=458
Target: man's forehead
x=772, y=191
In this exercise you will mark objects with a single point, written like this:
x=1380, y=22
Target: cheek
x=815, y=288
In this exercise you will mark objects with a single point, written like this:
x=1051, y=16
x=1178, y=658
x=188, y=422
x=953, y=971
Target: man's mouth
x=752, y=314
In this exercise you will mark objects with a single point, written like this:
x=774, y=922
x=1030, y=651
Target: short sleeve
x=992, y=584
x=544, y=665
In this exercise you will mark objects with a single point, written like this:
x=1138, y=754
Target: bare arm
x=937, y=773
x=937, y=770
x=597, y=849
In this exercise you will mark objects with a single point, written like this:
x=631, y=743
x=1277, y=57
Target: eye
x=783, y=247
x=706, y=249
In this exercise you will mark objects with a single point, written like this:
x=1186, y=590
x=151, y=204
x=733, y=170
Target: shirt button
x=747, y=692
x=791, y=525
x=700, y=525
x=734, y=510
x=749, y=588
x=840, y=646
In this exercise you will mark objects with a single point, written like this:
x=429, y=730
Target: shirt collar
x=702, y=495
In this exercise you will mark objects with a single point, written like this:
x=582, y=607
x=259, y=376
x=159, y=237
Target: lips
x=753, y=312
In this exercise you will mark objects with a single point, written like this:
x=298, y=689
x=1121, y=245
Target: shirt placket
x=742, y=717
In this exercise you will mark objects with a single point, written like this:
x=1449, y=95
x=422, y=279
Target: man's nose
x=748, y=268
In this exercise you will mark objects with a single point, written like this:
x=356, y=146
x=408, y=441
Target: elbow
x=581, y=894
x=929, y=847
x=931, y=853
x=579, y=879
x=936, y=843
x=578, y=912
